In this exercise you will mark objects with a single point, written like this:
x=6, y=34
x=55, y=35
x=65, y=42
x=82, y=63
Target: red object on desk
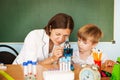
x=98, y=63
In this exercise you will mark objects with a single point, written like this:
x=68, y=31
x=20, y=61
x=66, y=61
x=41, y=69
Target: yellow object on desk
x=7, y=76
x=97, y=55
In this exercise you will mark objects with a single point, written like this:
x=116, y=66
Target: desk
x=17, y=73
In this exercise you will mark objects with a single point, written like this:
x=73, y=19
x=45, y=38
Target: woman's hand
x=58, y=52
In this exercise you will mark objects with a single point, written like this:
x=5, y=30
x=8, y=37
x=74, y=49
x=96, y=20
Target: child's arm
x=109, y=63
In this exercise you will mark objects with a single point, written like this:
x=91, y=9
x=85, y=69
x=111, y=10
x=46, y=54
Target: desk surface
x=17, y=73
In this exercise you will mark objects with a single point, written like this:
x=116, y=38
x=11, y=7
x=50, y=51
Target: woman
x=39, y=45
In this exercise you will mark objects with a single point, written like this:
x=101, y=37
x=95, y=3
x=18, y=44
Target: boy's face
x=85, y=46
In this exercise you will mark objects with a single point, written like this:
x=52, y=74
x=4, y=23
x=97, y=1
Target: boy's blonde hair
x=91, y=32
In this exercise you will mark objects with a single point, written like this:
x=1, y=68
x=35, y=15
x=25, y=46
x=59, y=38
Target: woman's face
x=58, y=36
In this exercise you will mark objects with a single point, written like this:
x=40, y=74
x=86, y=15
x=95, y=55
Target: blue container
x=68, y=52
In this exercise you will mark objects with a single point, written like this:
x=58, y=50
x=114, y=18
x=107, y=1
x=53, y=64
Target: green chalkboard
x=19, y=17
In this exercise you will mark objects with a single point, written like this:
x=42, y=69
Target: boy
x=88, y=37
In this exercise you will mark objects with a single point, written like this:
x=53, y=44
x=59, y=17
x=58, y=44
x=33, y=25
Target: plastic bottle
x=34, y=69
x=63, y=64
x=30, y=76
x=69, y=63
x=60, y=64
x=25, y=70
x=29, y=67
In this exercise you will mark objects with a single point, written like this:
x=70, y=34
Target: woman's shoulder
x=37, y=31
x=36, y=34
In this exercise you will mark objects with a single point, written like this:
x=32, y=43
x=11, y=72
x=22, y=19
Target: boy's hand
x=109, y=63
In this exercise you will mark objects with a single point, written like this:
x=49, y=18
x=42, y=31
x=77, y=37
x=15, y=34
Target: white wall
x=112, y=50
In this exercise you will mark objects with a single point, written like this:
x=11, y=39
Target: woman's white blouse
x=35, y=47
